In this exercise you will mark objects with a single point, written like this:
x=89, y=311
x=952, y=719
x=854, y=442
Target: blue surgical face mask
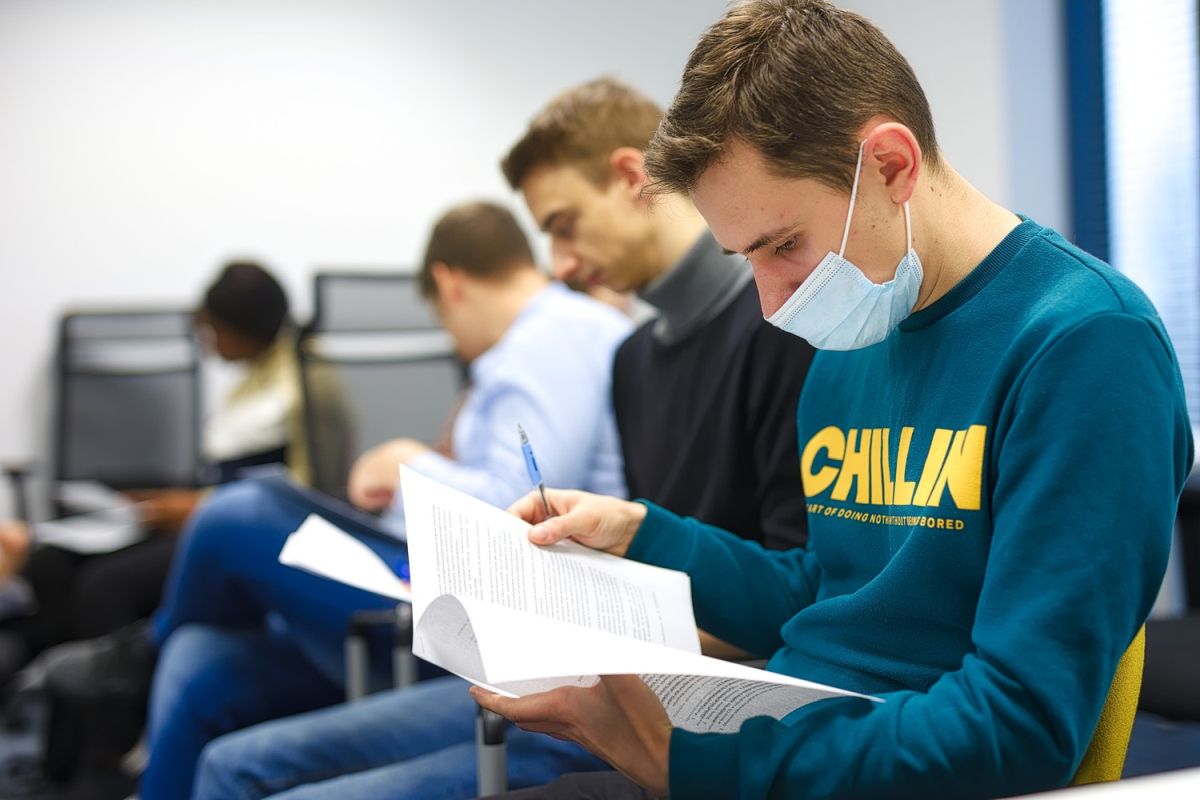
x=839, y=308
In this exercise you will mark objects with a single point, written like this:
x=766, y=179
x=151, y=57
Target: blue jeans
x=416, y=743
x=278, y=650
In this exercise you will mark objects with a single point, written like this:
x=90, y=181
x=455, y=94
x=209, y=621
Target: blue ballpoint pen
x=535, y=474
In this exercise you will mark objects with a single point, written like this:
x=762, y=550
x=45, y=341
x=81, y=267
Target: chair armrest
x=18, y=475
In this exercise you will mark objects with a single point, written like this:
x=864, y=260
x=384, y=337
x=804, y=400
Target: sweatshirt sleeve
x=742, y=593
x=1085, y=478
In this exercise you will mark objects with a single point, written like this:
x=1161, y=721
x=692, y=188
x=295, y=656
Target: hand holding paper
x=619, y=719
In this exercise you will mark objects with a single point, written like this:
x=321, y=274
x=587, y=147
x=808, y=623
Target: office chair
x=127, y=403
x=374, y=361
x=128, y=395
x=346, y=301
x=1105, y=756
x=374, y=337
x=127, y=414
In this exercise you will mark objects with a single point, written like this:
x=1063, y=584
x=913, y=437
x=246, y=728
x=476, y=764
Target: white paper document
x=517, y=618
x=84, y=497
x=97, y=532
x=320, y=547
x=104, y=520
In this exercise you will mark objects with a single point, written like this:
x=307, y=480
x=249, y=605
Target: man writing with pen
x=994, y=436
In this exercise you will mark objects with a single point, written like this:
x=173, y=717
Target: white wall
x=993, y=73
x=142, y=142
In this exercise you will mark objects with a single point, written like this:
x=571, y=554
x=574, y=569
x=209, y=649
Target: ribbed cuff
x=664, y=539
x=703, y=765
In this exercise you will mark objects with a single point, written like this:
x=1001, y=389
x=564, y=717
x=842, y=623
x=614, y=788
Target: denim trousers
x=243, y=638
x=416, y=743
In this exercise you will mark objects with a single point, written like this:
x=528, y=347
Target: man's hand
x=376, y=474
x=713, y=647
x=14, y=548
x=599, y=522
x=619, y=719
x=165, y=510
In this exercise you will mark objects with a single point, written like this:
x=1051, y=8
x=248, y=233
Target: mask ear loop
x=907, y=229
x=850, y=212
x=853, y=195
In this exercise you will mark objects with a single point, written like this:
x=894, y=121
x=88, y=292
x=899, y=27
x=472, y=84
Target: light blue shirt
x=551, y=373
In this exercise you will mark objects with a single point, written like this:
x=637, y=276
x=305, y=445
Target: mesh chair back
x=389, y=385
x=369, y=301
x=128, y=399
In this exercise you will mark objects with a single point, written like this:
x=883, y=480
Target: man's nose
x=564, y=263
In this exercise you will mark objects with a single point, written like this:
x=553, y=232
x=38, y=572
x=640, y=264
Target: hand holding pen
x=593, y=520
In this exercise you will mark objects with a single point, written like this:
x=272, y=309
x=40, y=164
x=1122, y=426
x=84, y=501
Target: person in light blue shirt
x=549, y=371
x=558, y=351
x=244, y=639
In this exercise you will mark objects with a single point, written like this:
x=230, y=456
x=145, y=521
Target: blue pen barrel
x=535, y=474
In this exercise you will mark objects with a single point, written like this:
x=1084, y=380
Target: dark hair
x=481, y=239
x=795, y=79
x=582, y=127
x=249, y=300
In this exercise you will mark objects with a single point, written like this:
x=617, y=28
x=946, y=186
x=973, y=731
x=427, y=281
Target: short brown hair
x=482, y=239
x=582, y=127
x=795, y=79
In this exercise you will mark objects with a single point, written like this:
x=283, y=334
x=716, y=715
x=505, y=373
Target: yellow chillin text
x=862, y=460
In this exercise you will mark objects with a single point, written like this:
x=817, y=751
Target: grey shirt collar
x=696, y=289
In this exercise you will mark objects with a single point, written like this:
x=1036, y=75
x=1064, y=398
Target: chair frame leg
x=492, y=761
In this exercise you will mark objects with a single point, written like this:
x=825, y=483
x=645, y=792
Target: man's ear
x=627, y=167
x=892, y=156
x=449, y=282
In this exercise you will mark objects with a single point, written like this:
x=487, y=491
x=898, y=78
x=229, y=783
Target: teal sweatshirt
x=991, y=493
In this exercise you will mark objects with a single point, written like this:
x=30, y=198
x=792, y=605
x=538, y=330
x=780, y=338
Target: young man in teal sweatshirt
x=993, y=440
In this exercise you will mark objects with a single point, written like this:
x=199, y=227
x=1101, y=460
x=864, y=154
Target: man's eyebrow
x=766, y=238
x=757, y=244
